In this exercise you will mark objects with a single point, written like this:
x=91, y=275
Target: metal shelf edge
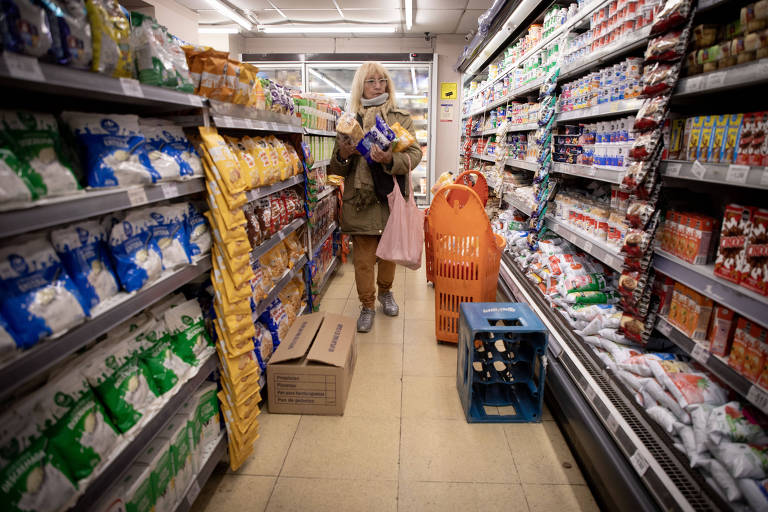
x=592, y=246
x=273, y=293
x=278, y=237
x=725, y=174
x=589, y=171
x=193, y=490
x=260, y=192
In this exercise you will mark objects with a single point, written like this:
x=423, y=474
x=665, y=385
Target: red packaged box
x=747, y=353
x=721, y=330
x=755, y=272
x=733, y=240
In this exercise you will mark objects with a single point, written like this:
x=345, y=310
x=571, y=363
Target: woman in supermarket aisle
x=367, y=182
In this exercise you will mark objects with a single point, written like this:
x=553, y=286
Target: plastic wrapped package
x=70, y=32
x=138, y=258
x=755, y=492
x=733, y=422
x=16, y=179
x=652, y=113
x=153, y=64
x=686, y=385
x=34, y=139
x=38, y=298
x=671, y=15
x=742, y=460
x=25, y=28
x=111, y=32
x=198, y=231
x=190, y=338
x=164, y=366
x=667, y=47
x=659, y=78
x=169, y=150
x=84, y=253
x=170, y=233
x=115, y=150
x=276, y=320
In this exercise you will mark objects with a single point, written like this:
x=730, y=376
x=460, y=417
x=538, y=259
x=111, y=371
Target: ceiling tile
x=370, y=4
x=439, y=4
x=373, y=15
x=479, y=4
x=212, y=17
x=469, y=21
x=435, y=21
x=303, y=4
x=309, y=15
x=249, y=5
x=265, y=16
x=194, y=4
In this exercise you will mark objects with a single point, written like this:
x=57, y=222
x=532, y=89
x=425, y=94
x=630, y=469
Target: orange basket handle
x=466, y=173
x=463, y=188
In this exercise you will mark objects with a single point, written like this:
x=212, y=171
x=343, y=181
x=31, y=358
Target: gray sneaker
x=365, y=320
x=388, y=304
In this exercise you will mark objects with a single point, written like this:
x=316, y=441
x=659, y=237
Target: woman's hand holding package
x=346, y=147
x=381, y=156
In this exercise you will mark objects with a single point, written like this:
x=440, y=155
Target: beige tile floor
x=403, y=443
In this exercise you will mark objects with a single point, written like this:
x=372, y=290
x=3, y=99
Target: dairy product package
x=25, y=28
x=207, y=413
x=18, y=428
x=159, y=458
x=16, y=178
x=138, y=259
x=138, y=491
x=115, y=150
x=83, y=250
x=34, y=139
x=176, y=432
x=70, y=32
x=164, y=366
x=111, y=32
x=198, y=230
x=189, y=337
x=169, y=230
x=169, y=139
x=37, y=296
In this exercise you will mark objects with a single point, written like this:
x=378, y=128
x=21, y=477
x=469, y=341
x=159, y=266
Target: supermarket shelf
x=34, y=362
x=744, y=75
x=613, y=108
x=229, y=115
x=321, y=163
x=517, y=203
x=260, y=192
x=702, y=279
x=610, y=52
x=327, y=275
x=609, y=174
x=526, y=127
x=277, y=238
x=264, y=303
x=28, y=74
x=588, y=244
x=333, y=227
x=637, y=447
x=324, y=133
x=486, y=158
x=715, y=364
x=59, y=210
x=484, y=133
x=497, y=103
x=522, y=164
x=112, y=473
x=705, y=5
x=724, y=174
x=328, y=190
x=217, y=453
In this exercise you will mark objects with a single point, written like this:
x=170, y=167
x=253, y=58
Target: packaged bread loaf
x=348, y=125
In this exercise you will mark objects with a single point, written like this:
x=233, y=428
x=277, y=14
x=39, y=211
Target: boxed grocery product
x=689, y=311
x=721, y=330
x=319, y=347
x=754, y=359
x=754, y=274
x=693, y=126
x=752, y=138
x=698, y=237
x=730, y=145
x=733, y=238
x=676, y=138
x=747, y=355
x=707, y=136
x=715, y=147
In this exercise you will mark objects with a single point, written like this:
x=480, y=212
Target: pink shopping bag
x=403, y=238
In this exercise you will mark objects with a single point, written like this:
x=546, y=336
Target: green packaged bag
x=607, y=297
x=189, y=336
x=159, y=458
x=588, y=283
x=84, y=437
x=18, y=183
x=38, y=480
x=138, y=491
x=165, y=367
x=146, y=42
x=208, y=413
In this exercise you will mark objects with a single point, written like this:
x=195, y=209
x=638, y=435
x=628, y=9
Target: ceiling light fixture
x=408, y=14
x=330, y=29
x=217, y=30
x=231, y=14
x=281, y=13
x=338, y=8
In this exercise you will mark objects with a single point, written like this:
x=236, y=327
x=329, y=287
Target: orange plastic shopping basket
x=467, y=255
x=480, y=187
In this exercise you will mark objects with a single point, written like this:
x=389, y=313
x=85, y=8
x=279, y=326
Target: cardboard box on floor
x=311, y=370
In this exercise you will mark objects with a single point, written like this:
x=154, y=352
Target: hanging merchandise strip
x=545, y=185
x=665, y=50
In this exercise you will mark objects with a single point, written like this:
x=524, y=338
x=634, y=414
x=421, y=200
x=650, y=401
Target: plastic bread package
x=111, y=32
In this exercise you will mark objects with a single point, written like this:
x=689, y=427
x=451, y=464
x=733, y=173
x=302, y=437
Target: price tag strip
x=699, y=353
x=673, y=169
x=131, y=87
x=759, y=397
x=737, y=174
x=23, y=67
x=639, y=463
x=170, y=190
x=137, y=196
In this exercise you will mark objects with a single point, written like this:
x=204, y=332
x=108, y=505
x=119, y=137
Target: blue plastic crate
x=501, y=362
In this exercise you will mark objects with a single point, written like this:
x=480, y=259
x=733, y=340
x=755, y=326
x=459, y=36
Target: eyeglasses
x=372, y=81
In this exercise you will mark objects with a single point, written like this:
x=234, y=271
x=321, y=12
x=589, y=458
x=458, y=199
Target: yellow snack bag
x=244, y=431
x=230, y=219
x=237, y=342
x=212, y=174
x=404, y=138
x=237, y=366
x=294, y=159
x=245, y=159
x=213, y=68
x=283, y=160
x=268, y=156
x=242, y=387
x=260, y=161
x=223, y=159
x=226, y=81
x=258, y=97
x=246, y=407
x=111, y=30
x=195, y=63
x=235, y=266
x=225, y=282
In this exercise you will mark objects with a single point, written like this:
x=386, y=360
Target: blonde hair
x=365, y=70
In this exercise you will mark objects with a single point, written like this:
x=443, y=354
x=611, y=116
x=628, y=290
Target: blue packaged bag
x=83, y=250
x=25, y=28
x=37, y=296
x=170, y=232
x=197, y=229
x=169, y=140
x=138, y=259
x=115, y=151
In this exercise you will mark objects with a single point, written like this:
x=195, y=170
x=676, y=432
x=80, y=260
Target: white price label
x=591, y=171
x=613, y=423
x=590, y=394
x=195, y=100
x=716, y=80
x=764, y=178
x=759, y=397
x=639, y=463
x=170, y=190
x=737, y=173
x=23, y=67
x=699, y=353
x=131, y=87
x=194, y=492
x=588, y=247
x=664, y=327
x=673, y=169
x=615, y=106
x=698, y=170
x=137, y=196
x=694, y=84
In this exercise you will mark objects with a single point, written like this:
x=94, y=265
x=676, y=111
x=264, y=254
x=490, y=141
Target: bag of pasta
x=404, y=138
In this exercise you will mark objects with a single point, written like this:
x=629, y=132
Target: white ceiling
x=434, y=16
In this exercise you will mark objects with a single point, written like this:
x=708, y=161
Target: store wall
x=179, y=20
x=447, y=135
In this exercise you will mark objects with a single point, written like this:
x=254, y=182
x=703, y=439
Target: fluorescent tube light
x=328, y=82
x=408, y=14
x=318, y=29
x=217, y=30
x=336, y=4
x=231, y=14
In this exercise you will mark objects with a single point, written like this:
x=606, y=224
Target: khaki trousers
x=364, y=259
